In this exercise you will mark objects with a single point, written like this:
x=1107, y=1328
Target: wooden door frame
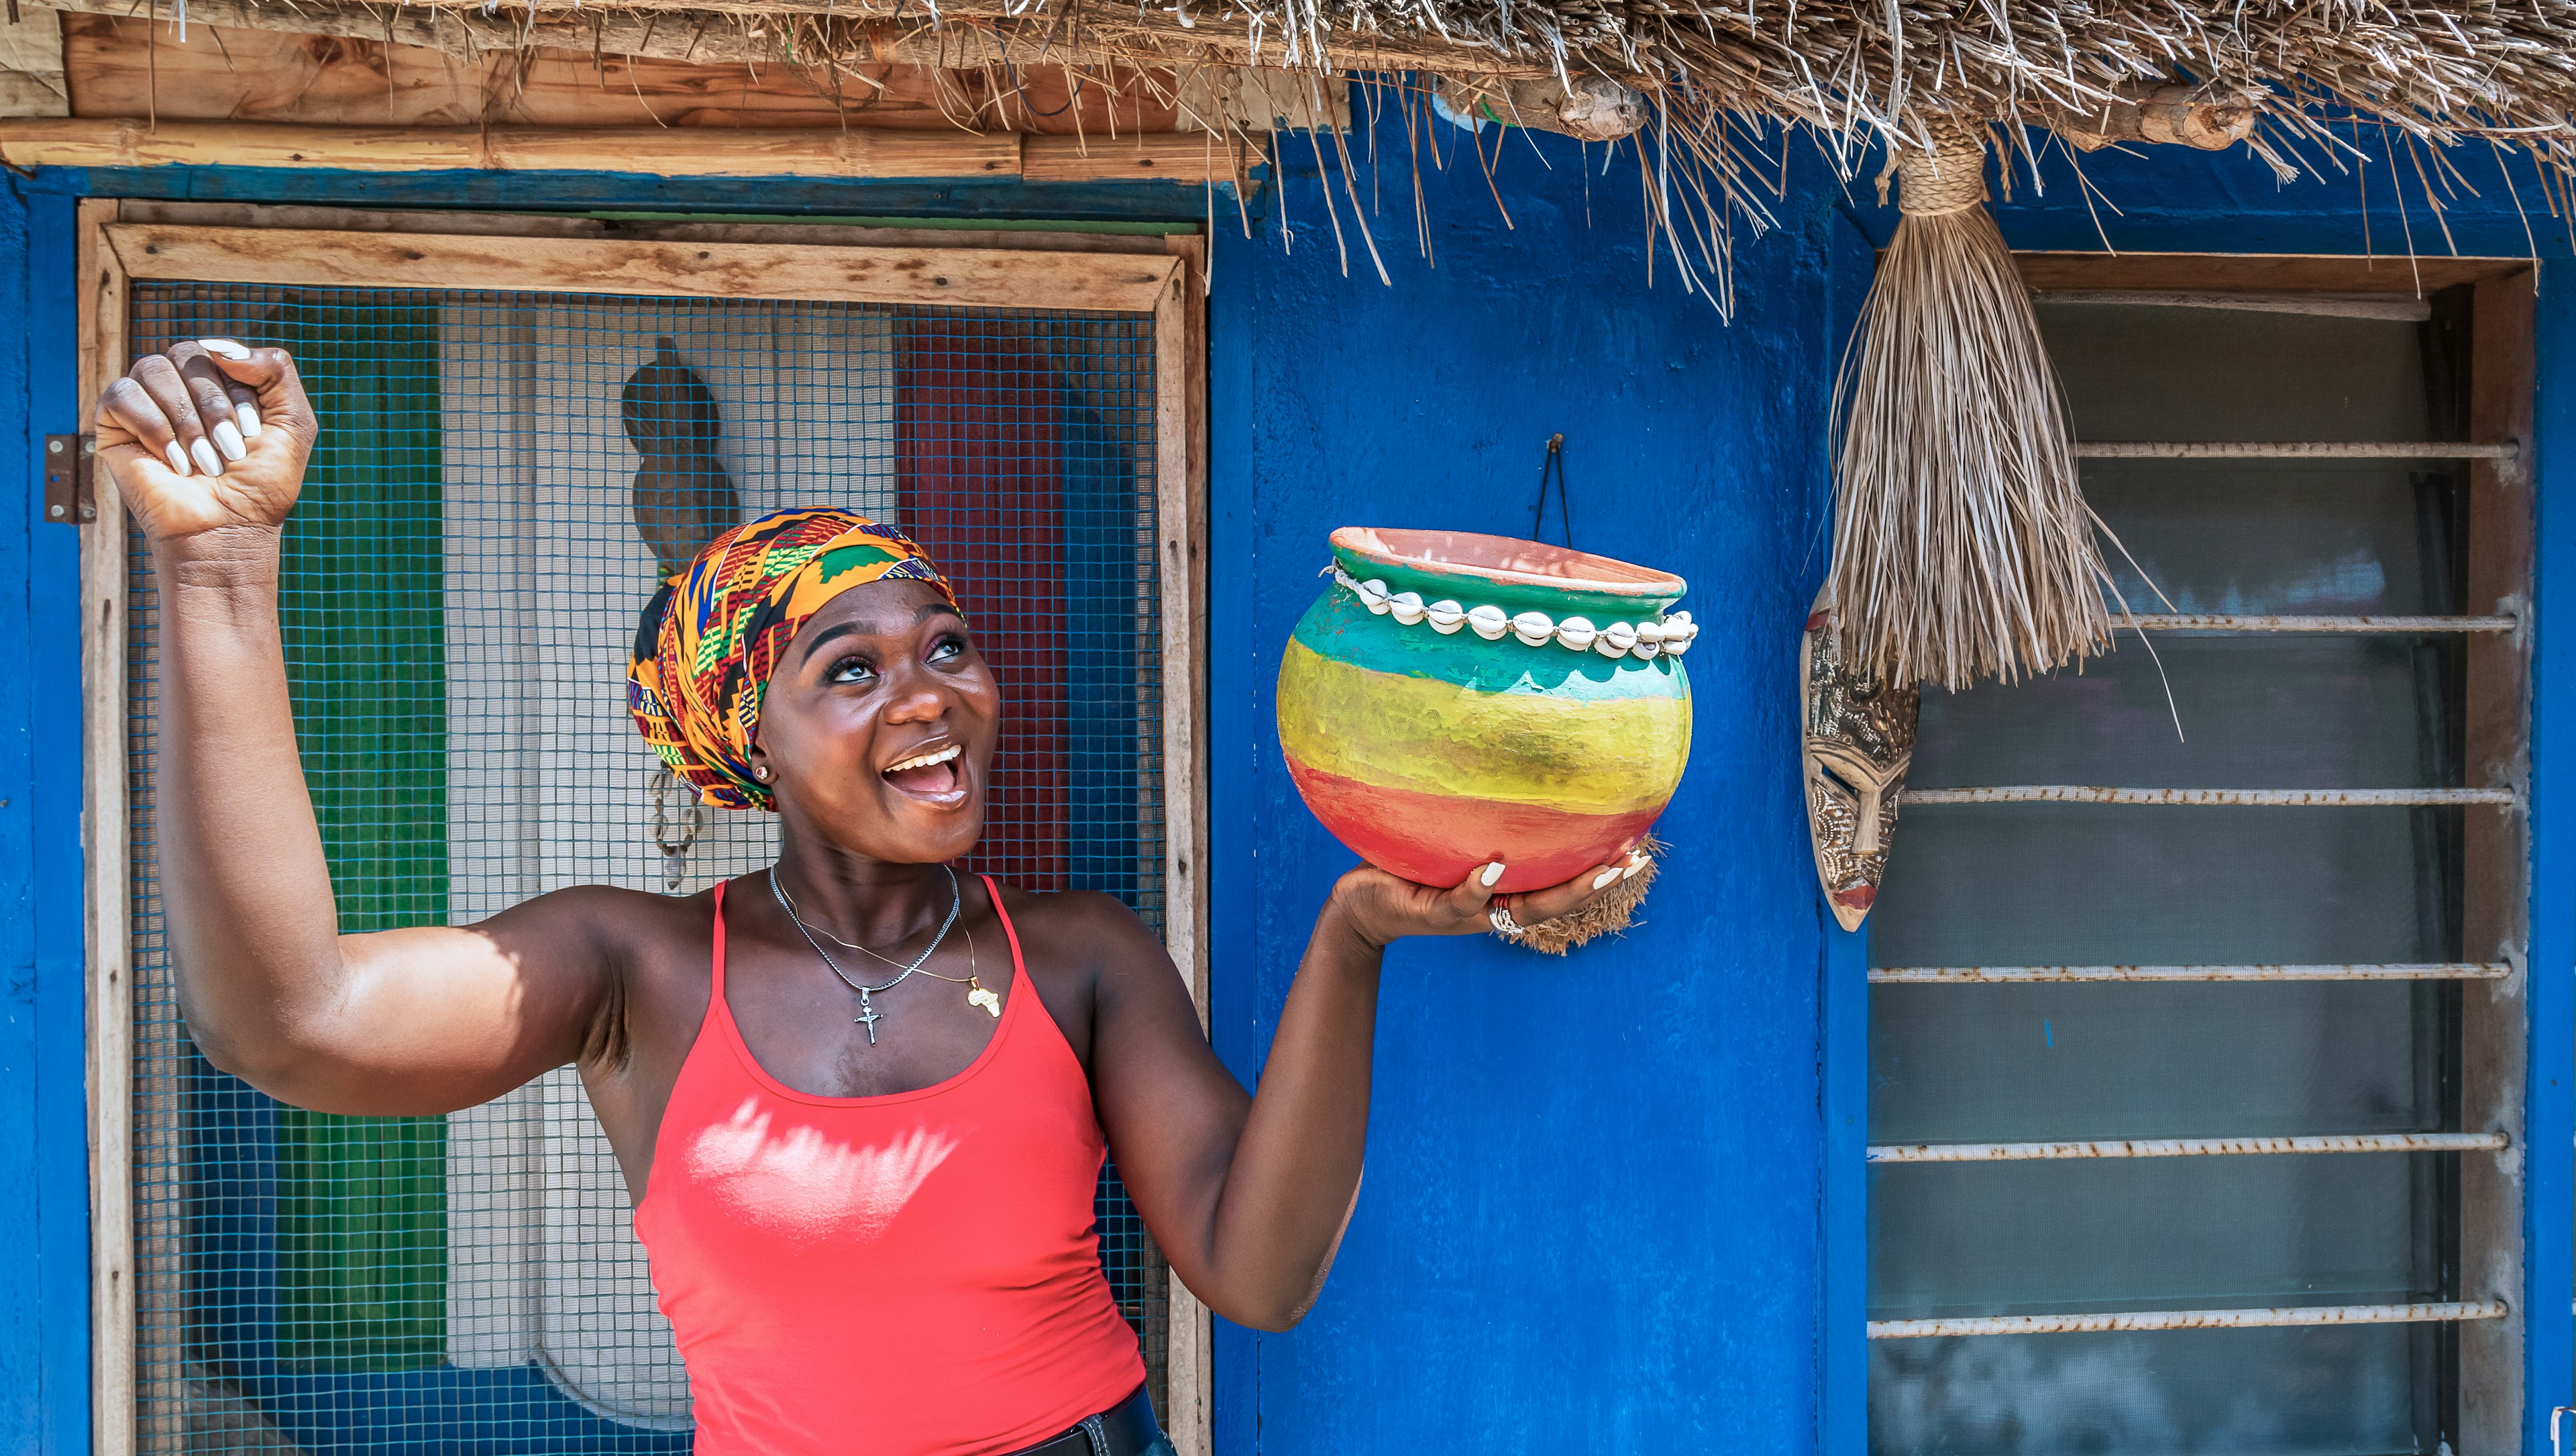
x=122, y=241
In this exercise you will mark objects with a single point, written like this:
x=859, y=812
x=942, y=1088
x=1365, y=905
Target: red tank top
x=913, y=1273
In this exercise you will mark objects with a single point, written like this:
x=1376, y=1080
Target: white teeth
x=928, y=759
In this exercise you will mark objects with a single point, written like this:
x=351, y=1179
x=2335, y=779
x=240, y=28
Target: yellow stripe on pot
x=1593, y=756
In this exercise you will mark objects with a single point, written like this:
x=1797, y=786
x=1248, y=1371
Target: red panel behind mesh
x=979, y=476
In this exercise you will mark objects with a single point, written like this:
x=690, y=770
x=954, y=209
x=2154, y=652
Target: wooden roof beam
x=968, y=37
x=1192, y=157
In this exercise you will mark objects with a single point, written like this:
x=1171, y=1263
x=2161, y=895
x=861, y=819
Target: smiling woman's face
x=879, y=723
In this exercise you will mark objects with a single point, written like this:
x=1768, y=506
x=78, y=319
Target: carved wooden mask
x=1858, y=741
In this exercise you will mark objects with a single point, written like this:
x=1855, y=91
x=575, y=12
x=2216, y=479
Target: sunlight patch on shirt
x=806, y=1186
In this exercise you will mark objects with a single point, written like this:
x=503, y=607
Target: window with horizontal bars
x=2188, y=964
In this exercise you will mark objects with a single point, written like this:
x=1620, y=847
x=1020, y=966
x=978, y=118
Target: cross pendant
x=867, y=1017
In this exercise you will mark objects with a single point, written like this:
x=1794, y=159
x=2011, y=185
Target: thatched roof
x=1705, y=75
x=1853, y=69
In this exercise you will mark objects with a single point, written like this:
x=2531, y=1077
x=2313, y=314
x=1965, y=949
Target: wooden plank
x=1192, y=157
x=963, y=34
x=136, y=68
x=530, y=225
x=657, y=151
x=2497, y=715
x=1180, y=439
x=130, y=67
x=969, y=277
x=31, y=64
x=106, y=848
x=468, y=31
x=722, y=152
x=2495, y=859
x=2207, y=272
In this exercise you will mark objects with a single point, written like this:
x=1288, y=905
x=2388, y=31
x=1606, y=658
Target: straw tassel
x=1962, y=544
x=1612, y=914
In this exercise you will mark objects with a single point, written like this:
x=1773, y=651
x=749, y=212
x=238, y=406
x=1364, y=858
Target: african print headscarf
x=706, y=642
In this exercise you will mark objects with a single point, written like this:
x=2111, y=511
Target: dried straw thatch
x=1709, y=77
x=1853, y=70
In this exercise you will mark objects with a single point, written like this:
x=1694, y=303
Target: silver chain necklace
x=867, y=1016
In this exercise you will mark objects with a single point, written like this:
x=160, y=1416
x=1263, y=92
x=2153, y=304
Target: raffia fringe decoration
x=1609, y=915
x=1962, y=544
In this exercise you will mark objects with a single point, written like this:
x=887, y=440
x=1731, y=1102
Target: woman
x=860, y=1100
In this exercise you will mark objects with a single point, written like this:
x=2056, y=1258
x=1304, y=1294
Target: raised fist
x=207, y=436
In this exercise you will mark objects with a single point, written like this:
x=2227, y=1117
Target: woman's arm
x=208, y=451
x=1248, y=1196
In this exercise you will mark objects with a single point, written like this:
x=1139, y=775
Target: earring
x=761, y=773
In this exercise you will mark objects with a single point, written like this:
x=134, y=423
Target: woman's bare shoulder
x=1092, y=939
x=610, y=924
x=1074, y=920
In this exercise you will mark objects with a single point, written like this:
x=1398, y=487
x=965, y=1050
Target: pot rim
x=1508, y=561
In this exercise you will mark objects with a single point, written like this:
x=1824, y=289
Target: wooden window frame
x=122, y=241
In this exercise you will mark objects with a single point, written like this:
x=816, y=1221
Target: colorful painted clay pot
x=1453, y=699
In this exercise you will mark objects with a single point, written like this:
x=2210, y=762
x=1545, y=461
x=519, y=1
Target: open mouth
x=932, y=775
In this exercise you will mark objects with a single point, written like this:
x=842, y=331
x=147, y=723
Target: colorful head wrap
x=709, y=637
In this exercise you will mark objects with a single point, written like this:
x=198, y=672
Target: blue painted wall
x=1616, y=1203
x=1590, y=1215
x=1613, y=1202
x=44, y=1167
x=2549, y=1129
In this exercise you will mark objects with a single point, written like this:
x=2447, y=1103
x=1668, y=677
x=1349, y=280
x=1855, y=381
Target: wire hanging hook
x=1553, y=465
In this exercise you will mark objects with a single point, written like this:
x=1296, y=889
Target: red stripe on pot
x=1435, y=839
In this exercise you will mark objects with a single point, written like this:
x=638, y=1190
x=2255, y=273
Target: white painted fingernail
x=178, y=458
x=1493, y=872
x=247, y=415
x=208, y=462
x=228, y=439
x=1605, y=877
x=1632, y=868
x=225, y=347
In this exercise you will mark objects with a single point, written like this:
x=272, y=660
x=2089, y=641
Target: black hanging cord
x=1553, y=465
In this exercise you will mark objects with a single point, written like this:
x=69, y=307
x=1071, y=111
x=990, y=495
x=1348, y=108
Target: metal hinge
x=69, y=460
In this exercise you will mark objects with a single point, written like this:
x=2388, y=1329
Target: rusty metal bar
x=2375, y=1142
x=2270, y=798
x=2293, y=450
x=2188, y=1319
x=2028, y=975
x=2218, y=622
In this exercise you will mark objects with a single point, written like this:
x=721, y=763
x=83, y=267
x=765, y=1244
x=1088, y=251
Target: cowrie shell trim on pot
x=1668, y=636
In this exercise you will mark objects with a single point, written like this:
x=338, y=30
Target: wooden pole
x=107, y=847
x=659, y=151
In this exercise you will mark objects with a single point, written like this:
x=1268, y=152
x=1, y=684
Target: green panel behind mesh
x=362, y=1202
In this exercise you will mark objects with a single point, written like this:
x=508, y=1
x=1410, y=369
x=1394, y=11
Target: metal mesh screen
x=461, y=583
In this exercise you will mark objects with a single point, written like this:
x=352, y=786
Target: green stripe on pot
x=362, y=1201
